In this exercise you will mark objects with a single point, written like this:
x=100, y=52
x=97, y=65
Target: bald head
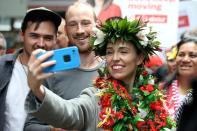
x=80, y=7
x=80, y=19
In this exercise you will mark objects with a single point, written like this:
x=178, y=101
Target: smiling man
x=80, y=20
x=38, y=30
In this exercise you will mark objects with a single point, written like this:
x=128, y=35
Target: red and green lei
x=144, y=111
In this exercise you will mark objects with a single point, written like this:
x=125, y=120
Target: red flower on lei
x=144, y=111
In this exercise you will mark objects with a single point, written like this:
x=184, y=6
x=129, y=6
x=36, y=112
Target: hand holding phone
x=66, y=58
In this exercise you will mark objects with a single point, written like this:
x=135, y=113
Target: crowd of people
x=121, y=83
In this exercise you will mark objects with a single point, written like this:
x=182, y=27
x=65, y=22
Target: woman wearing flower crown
x=124, y=96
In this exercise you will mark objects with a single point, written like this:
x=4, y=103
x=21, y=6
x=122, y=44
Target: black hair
x=185, y=39
x=114, y=18
x=37, y=18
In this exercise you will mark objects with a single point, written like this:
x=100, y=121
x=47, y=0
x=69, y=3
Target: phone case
x=66, y=58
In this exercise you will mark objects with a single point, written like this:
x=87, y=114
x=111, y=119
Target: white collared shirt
x=15, y=98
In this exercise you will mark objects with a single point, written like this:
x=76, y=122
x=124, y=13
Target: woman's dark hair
x=125, y=30
x=114, y=18
x=185, y=39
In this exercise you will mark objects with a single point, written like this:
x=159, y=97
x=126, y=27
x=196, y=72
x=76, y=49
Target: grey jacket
x=81, y=113
x=6, y=67
x=68, y=85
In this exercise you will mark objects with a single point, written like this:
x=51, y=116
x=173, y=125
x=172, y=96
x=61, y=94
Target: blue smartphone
x=66, y=58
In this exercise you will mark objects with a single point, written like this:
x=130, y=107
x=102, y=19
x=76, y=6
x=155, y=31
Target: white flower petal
x=99, y=36
x=142, y=113
x=142, y=35
x=151, y=81
x=98, y=41
x=146, y=43
x=94, y=29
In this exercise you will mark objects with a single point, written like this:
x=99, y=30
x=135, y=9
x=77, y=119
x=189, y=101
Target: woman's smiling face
x=122, y=60
x=187, y=59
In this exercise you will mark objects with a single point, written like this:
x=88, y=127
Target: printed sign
x=161, y=14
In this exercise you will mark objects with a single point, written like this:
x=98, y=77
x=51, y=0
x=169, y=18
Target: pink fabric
x=154, y=61
x=112, y=10
x=174, y=98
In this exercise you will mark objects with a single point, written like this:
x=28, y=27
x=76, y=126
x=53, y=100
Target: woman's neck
x=184, y=85
x=130, y=87
x=130, y=83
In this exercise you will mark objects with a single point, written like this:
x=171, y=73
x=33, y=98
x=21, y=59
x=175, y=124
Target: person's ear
x=98, y=24
x=21, y=35
x=65, y=29
x=140, y=59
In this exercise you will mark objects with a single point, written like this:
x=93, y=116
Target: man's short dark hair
x=39, y=15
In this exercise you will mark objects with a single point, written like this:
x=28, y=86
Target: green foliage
x=126, y=30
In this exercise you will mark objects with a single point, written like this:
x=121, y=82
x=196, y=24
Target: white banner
x=161, y=14
x=187, y=16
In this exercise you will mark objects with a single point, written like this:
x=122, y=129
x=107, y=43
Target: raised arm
x=35, y=73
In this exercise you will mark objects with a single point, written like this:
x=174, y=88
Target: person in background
x=171, y=59
x=188, y=117
x=167, y=72
x=3, y=44
x=120, y=99
x=153, y=64
x=38, y=31
x=80, y=22
x=105, y=9
x=62, y=38
x=179, y=92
